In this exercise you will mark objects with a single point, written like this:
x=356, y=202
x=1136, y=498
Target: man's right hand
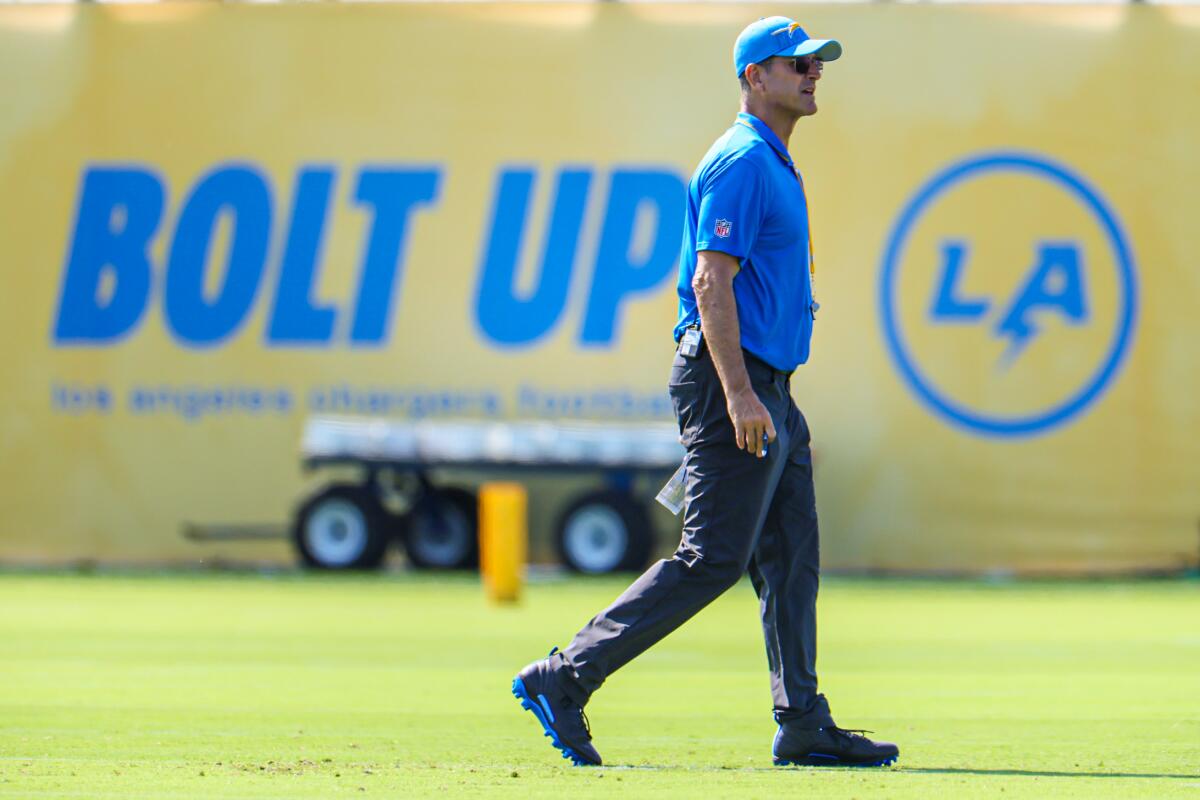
x=751, y=422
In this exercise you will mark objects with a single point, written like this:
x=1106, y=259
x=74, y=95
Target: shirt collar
x=767, y=135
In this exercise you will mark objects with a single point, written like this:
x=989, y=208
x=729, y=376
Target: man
x=746, y=315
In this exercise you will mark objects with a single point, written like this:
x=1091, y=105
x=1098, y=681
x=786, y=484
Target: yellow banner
x=219, y=219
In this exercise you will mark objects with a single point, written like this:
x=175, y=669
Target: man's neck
x=781, y=123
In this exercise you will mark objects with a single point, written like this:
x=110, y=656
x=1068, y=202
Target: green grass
x=290, y=686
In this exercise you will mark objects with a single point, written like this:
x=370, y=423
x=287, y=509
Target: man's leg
x=785, y=572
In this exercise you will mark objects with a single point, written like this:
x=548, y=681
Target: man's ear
x=755, y=78
x=752, y=74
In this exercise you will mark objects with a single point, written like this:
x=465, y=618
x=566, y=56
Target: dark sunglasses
x=804, y=64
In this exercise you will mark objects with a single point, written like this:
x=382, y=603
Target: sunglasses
x=804, y=64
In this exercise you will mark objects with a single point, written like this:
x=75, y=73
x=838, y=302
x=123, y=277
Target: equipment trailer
x=350, y=525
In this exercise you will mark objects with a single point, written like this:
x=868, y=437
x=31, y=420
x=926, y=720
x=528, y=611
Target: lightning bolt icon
x=1019, y=334
x=1055, y=283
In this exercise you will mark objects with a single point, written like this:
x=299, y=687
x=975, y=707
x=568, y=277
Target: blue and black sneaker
x=830, y=747
x=539, y=689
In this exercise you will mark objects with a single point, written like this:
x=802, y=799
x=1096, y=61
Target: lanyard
x=812, y=260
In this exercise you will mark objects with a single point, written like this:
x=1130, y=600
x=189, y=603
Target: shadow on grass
x=1018, y=773
x=1036, y=773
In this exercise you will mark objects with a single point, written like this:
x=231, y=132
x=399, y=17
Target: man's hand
x=752, y=424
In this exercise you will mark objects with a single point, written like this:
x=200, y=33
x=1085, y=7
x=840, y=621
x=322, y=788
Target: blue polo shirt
x=745, y=200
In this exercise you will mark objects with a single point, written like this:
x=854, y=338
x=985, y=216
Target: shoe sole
x=529, y=704
x=833, y=761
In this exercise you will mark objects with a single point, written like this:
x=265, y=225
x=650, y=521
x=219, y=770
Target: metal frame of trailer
x=350, y=525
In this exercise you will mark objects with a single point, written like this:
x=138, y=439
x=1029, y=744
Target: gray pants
x=743, y=514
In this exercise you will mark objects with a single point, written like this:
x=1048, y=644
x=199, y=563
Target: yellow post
x=502, y=540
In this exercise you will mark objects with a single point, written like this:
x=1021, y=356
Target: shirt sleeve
x=732, y=203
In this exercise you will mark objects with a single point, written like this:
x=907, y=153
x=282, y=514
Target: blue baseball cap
x=779, y=36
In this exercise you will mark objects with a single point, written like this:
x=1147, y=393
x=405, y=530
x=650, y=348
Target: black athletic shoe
x=537, y=687
x=830, y=747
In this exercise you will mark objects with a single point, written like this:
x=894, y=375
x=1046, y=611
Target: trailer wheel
x=341, y=527
x=606, y=531
x=442, y=531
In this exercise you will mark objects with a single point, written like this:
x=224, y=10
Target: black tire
x=605, y=531
x=442, y=531
x=341, y=527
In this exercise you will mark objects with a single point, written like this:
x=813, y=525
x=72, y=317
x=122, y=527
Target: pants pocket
x=685, y=400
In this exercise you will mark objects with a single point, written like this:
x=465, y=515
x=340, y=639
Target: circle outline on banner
x=1036, y=166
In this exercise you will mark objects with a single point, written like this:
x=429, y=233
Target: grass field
x=292, y=686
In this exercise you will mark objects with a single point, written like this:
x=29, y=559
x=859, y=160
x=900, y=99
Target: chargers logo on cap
x=1008, y=294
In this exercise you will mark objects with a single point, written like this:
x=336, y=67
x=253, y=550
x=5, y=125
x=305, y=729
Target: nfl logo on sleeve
x=723, y=226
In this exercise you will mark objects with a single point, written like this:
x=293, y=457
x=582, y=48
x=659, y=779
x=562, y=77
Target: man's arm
x=713, y=285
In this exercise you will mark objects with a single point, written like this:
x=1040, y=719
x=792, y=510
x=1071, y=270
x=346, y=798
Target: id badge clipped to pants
x=689, y=343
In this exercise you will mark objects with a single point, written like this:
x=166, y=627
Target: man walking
x=746, y=316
